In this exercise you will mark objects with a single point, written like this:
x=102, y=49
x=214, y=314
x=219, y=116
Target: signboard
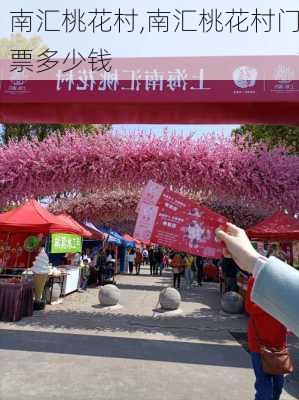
x=65, y=243
x=177, y=89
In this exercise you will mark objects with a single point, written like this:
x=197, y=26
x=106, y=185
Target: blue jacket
x=276, y=290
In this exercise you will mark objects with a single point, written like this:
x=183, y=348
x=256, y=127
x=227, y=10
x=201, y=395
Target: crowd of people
x=156, y=257
x=193, y=269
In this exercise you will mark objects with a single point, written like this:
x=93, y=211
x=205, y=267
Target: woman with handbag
x=269, y=355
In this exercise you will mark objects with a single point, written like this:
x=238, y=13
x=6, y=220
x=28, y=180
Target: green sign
x=65, y=243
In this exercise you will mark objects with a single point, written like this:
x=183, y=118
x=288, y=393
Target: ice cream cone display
x=40, y=269
x=39, y=285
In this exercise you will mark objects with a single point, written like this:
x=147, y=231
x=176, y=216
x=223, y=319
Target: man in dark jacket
x=199, y=261
x=159, y=255
x=101, y=262
x=151, y=258
x=229, y=271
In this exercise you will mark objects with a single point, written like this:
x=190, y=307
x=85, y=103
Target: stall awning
x=68, y=219
x=32, y=217
x=131, y=242
x=138, y=242
x=280, y=227
x=115, y=237
x=96, y=232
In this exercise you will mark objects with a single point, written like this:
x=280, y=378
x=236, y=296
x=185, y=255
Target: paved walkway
x=78, y=350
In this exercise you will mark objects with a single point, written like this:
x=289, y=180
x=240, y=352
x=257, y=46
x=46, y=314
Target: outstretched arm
x=276, y=288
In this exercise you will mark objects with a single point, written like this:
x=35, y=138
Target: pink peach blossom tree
x=212, y=167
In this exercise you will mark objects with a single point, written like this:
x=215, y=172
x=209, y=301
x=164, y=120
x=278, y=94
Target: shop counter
x=72, y=279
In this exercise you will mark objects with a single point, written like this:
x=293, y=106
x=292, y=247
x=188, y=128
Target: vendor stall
x=122, y=243
x=128, y=243
x=281, y=230
x=71, y=246
x=113, y=243
x=278, y=227
x=22, y=231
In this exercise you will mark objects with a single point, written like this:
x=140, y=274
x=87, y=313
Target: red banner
x=255, y=89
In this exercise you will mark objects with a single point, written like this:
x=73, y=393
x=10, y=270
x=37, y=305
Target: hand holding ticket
x=172, y=220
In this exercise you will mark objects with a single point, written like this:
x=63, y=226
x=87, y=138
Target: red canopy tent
x=32, y=217
x=18, y=224
x=69, y=220
x=278, y=227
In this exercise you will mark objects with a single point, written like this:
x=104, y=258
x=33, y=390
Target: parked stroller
x=108, y=273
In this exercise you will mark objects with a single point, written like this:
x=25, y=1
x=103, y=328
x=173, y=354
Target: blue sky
x=198, y=130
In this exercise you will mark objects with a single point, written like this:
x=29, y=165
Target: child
x=85, y=272
x=165, y=261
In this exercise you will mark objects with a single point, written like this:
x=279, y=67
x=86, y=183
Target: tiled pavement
x=77, y=350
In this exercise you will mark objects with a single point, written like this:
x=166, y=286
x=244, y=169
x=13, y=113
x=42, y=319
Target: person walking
x=177, y=267
x=159, y=255
x=138, y=261
x=229, y=271
x=145, y=256
x=199, y=262
x=264, y=330
x=151, y=258
x=131, y=260
x=189, y=259
x=165, y=261
x=93, y=277
x=85, y=272
x=100, y=265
